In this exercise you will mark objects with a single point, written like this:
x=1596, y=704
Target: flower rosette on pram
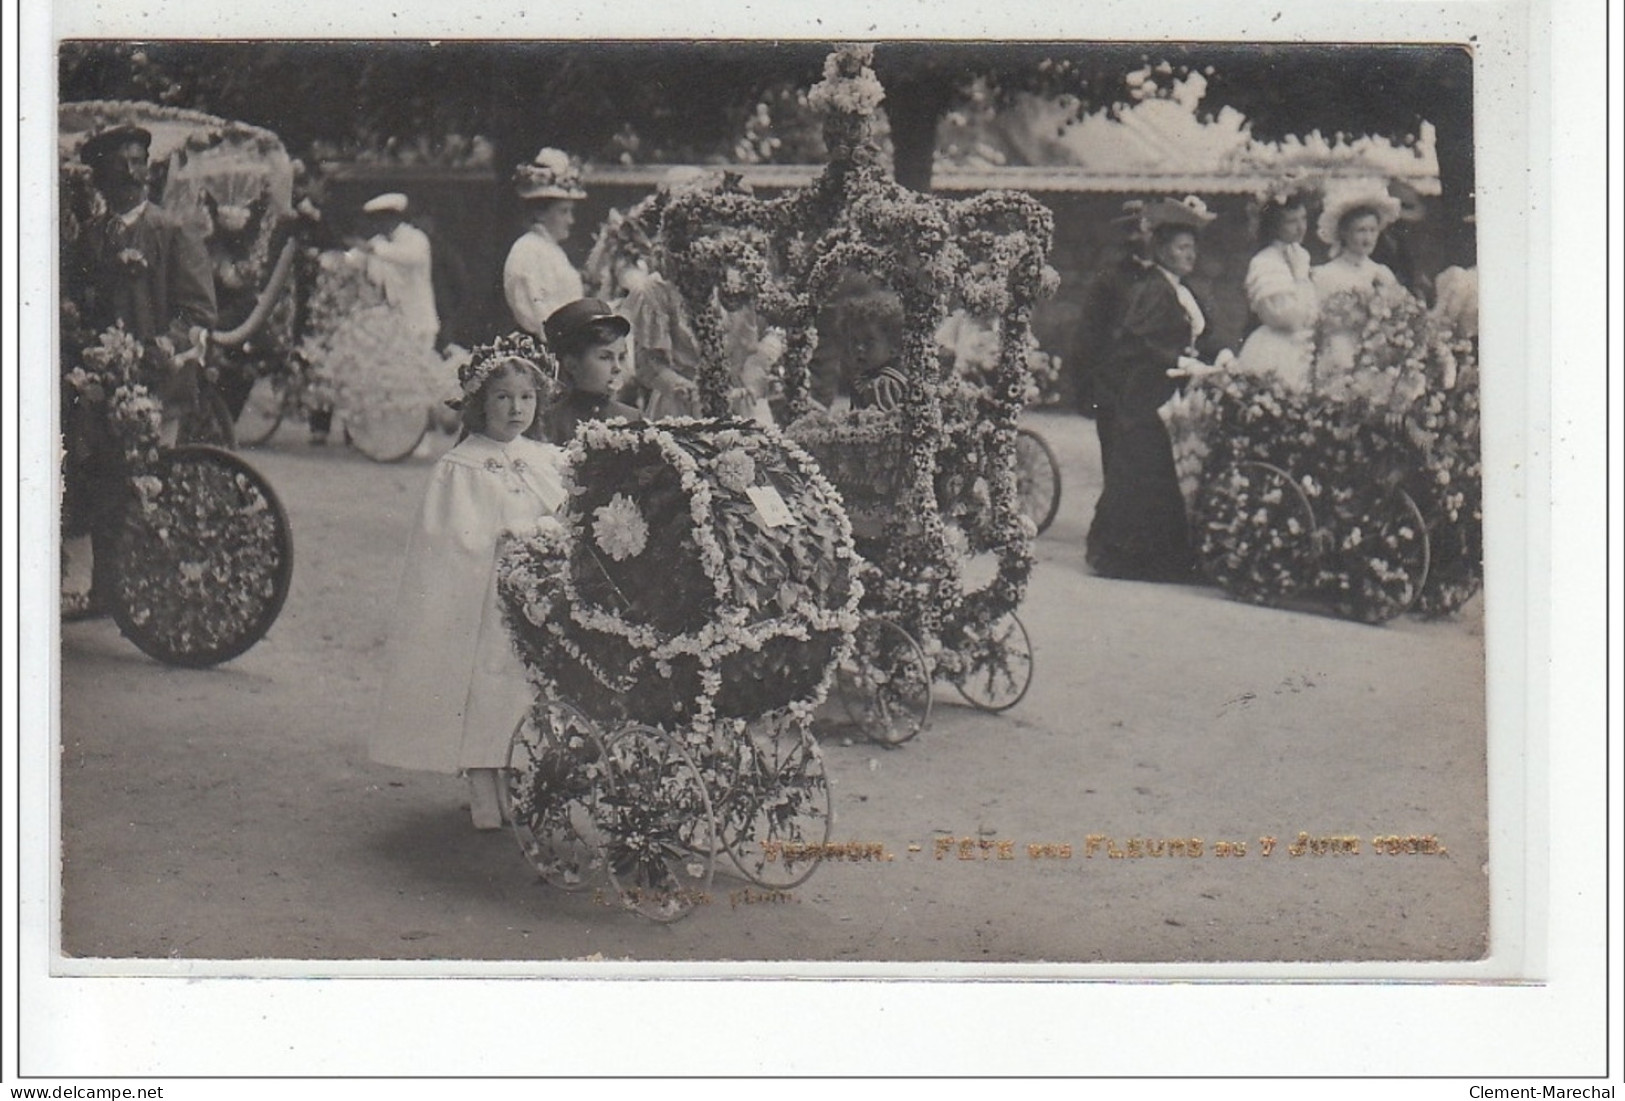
x=695, y=595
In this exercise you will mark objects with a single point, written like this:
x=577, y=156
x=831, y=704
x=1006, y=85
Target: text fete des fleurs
x=1112, y=848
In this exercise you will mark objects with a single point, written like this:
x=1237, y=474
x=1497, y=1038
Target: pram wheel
x=885, y=683
x=386, y=432
x=651, y=809
x=998, y=667
x=262, y=411
x=547, y=792
x=1256, y=533
x=1038, y=479
x=205, y=558
x=1382, y=561
x=776, y=817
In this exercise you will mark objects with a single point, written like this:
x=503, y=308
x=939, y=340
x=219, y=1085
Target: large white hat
x=390, y=201
x=1342, y=198
x=551, y=174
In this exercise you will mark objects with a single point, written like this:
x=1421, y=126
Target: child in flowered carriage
x=1357, y=482
x=625, y=264
x=456, y=690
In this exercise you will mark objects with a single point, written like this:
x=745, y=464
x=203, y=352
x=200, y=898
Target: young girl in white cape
x=456, y=689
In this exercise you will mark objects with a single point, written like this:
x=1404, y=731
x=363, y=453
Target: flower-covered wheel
x=262, y=412
x=204, y=558
x=386, y=432
x=1455, y=568
x=885, y=682
x=997, y=665
x=1381, y=563
x=547, y=793
x=775, y=816
x=1038, y=479
x=1456, y=551
x=653, y=817
x=1256, y=533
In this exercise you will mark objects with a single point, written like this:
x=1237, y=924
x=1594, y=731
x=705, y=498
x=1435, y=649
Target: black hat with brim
x=565, y=325
x=100, y=145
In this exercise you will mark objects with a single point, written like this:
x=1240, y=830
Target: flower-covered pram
x=681, y=620
x=1364, y=491
x=925, y=461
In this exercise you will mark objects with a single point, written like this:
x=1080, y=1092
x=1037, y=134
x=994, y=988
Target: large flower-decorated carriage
x=1362, y=492
x=924, y=457
x=681, y=619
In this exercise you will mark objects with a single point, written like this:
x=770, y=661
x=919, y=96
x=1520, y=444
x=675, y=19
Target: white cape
x=455, y=688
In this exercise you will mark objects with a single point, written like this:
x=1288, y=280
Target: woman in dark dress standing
x=1140, y=529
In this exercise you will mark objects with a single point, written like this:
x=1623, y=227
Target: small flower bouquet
x=703, y=571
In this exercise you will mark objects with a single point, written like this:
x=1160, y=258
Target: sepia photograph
x=1045, y=525
x=862, y=507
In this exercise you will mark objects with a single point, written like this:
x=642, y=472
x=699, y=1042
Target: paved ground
x=232, y=814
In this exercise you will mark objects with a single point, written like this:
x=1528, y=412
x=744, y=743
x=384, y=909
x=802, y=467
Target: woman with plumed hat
x=537, y=277
x=1140, y=529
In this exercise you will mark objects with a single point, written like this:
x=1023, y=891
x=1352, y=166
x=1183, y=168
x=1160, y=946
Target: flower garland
x=674, y=591
x=790, y=255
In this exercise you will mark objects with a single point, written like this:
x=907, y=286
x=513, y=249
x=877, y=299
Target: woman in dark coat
x=1140, y=529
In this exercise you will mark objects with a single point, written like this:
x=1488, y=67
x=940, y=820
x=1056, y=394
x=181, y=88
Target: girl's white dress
x=1368, y=281
x=1282, y=294
x=455, y=688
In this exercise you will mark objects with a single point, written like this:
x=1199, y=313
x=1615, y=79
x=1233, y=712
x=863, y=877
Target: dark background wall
x=473, y=218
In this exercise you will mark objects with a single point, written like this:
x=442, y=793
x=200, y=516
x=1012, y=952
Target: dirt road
x=232, y=814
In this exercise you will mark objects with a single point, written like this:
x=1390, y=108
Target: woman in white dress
x=537, y=277
x=456, y=689
x=1282, y=296
x=1350, y=282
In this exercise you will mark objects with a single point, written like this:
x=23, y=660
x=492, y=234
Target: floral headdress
x=487, y=359
x=1371, y=195
x=552, y=174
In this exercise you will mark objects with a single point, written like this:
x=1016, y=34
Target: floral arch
x=948, y=443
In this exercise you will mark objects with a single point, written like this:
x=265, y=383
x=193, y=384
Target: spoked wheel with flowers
x=204, y=558
x=774, y=816
x=1380, y=565
x=996, y=664
x=1256, y=532
x=385, y=431
x=885, y=682
x=1455, y=567
x=654, y=818
x=1038, y=479
x=547, y=793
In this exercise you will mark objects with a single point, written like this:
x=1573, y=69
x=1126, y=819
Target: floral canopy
x=952, y=442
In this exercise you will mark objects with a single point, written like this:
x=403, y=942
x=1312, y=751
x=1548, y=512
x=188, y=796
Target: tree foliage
x=691, y=101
